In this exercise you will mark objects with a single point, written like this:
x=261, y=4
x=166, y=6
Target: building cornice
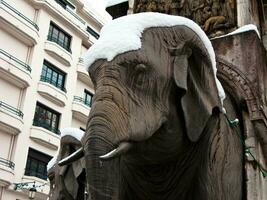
x=53, y=8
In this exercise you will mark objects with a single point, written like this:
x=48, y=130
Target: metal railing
x=49, y=80
x=24, y=65
x=19, y=14
x=7, y=163
x=40, y=123
x=56, y=40
x=11, y=109
x=70, y=11
x=92, y=32
x=82, y=100
x=75, y=15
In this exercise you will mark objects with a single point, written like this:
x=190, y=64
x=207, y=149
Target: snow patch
x=242, y=29
x=124, y=34
x=74, y=132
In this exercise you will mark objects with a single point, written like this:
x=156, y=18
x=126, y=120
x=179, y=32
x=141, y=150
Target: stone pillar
x=243, y=13
x=248, y=13
x=131, y=5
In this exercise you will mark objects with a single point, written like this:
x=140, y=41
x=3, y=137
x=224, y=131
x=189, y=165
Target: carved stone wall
x=216, y=17
x=242, y=70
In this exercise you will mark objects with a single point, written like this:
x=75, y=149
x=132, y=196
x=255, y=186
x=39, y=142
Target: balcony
x=45, y=135
x=61, y=54
x=10, y=119
x=42, y=193
x=52, y=92
x=18, y=24
x=83, y=74
x=14, y=70
x=80, y=109
x=6, y=172
x=70, y=10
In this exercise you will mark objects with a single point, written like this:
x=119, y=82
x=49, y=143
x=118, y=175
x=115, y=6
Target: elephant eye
x=139, y=74
x=140, y=68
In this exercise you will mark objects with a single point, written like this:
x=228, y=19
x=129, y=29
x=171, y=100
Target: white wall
x=23, y=7
x=5, y=144
x=83, y=50
x=9, y=94
x=13, y=46
x=80, y=86
x=77, y=124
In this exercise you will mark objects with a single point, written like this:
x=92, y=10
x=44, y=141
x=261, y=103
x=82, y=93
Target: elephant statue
x=157, y=128
x=67, y=182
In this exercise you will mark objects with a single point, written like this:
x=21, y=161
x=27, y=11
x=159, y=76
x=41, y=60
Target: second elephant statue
x=68, y=182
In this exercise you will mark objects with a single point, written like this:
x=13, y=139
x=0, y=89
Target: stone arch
x=235, y=80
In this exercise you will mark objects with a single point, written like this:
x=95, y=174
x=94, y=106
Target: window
x=36, y=164
x=88, y=98
x=92, y=32
x=47, y=118
x=59, y=36
x=65, y=4
x=52, y=75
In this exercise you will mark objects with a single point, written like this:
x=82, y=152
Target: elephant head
x=67, y=182
x=155, y=107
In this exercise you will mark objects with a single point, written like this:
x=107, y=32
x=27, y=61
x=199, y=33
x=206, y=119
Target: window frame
x=64, y=4
x=41, y=160
x=54, y=118
x=86, y=94
x=52, y=70
x=92, y=32
x=54, y=37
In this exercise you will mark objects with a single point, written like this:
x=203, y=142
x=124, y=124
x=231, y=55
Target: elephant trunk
x=103, y=175
x=106, y=130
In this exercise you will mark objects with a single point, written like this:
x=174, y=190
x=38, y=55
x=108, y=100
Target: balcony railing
x=82, y=100
x=50, y=80
x=75, y=15
x=92, y=32
x=56, y=40
x=11, y=109
x=24, y=65
x=70, y=11
x=7, y=163
x=40, y=123
x=19, y=14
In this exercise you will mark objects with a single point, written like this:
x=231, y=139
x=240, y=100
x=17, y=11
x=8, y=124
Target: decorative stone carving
x=216, y=17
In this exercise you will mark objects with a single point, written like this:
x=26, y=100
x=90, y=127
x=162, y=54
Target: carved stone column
x=243, y=16
x=131, y=5
x=247, y=12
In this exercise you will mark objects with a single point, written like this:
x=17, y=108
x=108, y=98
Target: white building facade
x=43, y=85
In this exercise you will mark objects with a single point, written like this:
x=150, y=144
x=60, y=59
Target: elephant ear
x=192, y=72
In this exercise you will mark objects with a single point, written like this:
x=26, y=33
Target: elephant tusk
x=72, y=158
x=122, y=148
